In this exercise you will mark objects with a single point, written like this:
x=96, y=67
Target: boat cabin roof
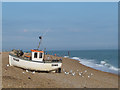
x=37, y=51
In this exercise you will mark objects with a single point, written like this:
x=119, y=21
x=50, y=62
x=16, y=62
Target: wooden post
x=68, y=53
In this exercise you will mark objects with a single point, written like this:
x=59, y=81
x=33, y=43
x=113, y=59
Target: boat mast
x=39, y=42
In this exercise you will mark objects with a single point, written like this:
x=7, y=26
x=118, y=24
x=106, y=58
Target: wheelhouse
x=37, y=55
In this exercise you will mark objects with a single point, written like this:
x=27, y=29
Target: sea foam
x=102, y=65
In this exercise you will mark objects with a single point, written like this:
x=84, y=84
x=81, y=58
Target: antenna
x=40, y=42
x=40, y=37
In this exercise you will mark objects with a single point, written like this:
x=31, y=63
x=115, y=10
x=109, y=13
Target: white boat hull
x=33, y=65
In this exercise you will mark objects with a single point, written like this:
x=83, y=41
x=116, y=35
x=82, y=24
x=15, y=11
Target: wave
x=102, y=65
x=66, y=56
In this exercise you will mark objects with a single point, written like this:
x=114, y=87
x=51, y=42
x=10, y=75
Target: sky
x=64, y=26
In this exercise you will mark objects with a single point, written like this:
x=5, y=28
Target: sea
x=104, y=60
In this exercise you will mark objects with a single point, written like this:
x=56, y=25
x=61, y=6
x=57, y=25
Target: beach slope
x=13, y=77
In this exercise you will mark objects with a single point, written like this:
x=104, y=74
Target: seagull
x=73, y=73
x=33, y=72
x=85, y=70
x=23, y=72
x=27, y=71
x=66, y=73
x=91, y=74
x=80, y=74
x=88, y=76
x=8, y=65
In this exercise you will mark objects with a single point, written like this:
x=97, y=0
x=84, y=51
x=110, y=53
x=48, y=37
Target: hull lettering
x=16, y=59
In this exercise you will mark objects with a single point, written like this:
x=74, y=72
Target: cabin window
x=40, y=56
x=35, y=55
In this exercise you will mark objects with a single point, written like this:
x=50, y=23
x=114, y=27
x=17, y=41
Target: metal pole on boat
x=44, y=52
x=40, y=42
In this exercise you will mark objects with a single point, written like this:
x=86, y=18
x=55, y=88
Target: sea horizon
x=59, y=49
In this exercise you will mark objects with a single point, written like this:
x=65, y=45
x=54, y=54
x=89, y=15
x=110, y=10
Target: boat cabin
x=37, y=55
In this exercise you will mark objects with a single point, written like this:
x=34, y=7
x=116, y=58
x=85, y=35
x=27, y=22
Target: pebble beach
x=73, y=75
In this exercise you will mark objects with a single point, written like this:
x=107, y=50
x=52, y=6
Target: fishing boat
x=36, y=60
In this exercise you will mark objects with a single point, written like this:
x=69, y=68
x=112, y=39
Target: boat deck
x=46, y=59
